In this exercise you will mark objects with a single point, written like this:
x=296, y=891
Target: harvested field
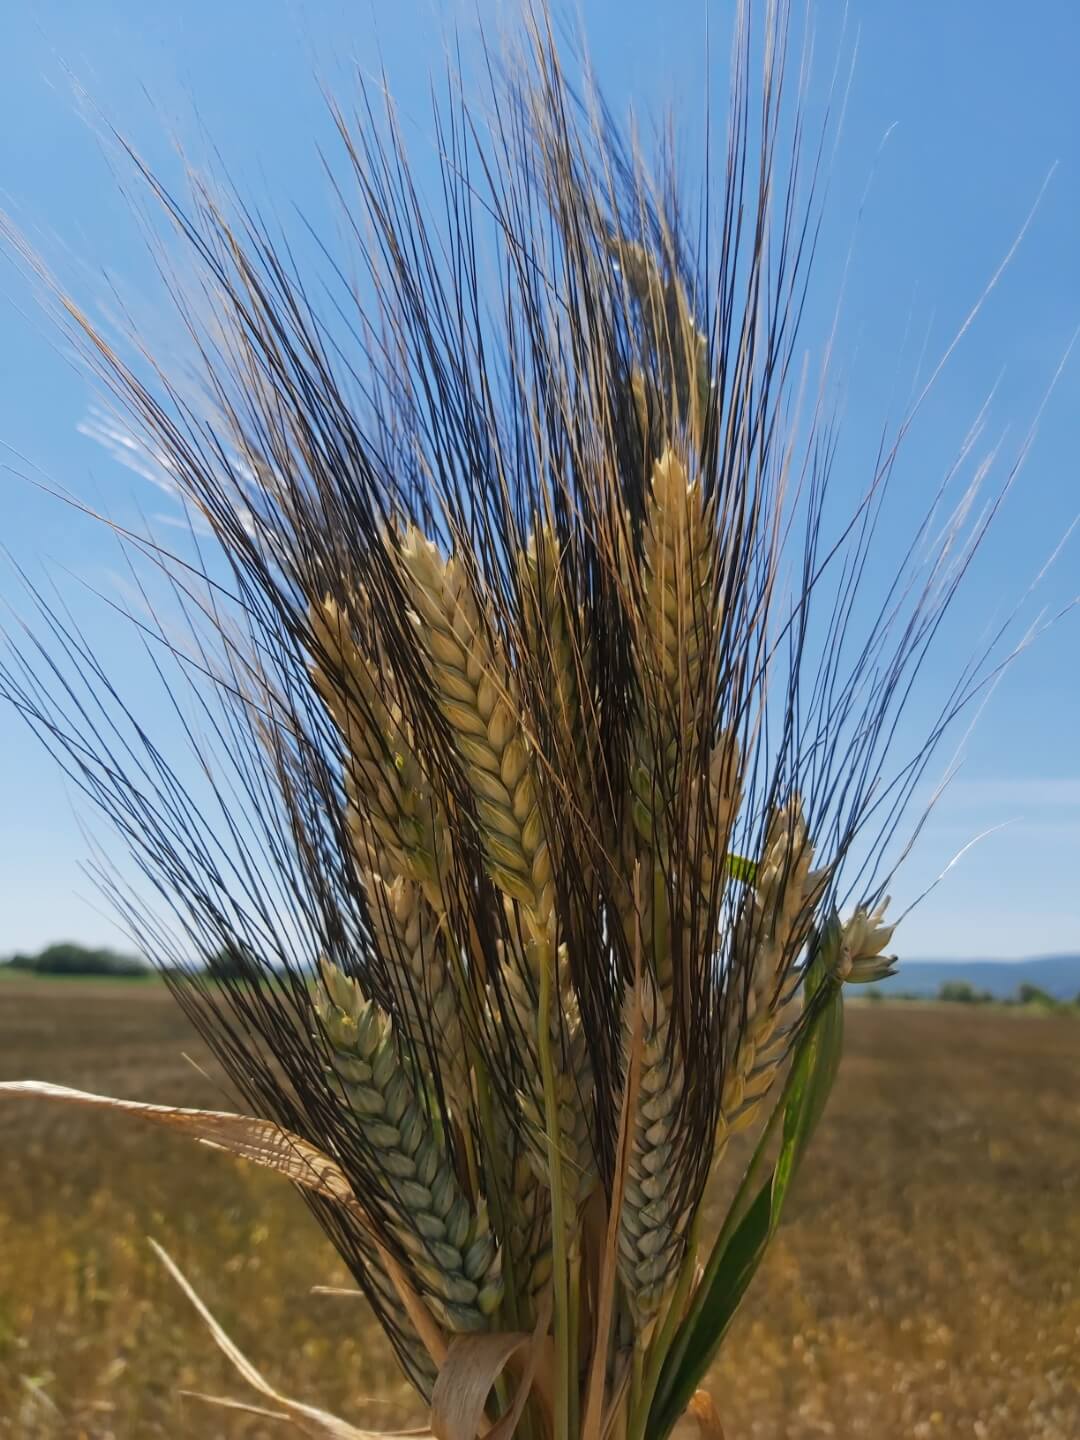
x=927, y=1283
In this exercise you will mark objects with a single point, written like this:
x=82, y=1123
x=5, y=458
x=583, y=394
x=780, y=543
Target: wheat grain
x=451, y=1247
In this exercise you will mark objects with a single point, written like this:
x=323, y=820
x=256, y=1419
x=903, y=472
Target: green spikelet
x=651, y=1224
x=411, y=939
x=452, y=1250
x=574, y=1087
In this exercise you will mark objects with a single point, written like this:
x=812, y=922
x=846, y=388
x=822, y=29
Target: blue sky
x=957, y=114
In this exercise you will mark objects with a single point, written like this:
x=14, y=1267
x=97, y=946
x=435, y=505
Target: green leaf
x=748, y=1229
x=739, y=868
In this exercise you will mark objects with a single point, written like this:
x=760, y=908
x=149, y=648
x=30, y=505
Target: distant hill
x=1058, y=975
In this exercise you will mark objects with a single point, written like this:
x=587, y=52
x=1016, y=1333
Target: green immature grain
x=413, y=940
x=452, y=1250
x=652, y=1222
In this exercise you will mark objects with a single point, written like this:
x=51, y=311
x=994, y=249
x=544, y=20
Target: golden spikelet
x=769, y=933
x=450, y=1244
x=679, y=618
x=862, y=942
x=472, y=681
x=385, y=786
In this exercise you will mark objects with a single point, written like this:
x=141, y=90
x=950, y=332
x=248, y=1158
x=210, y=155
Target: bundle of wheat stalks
x=528, y=782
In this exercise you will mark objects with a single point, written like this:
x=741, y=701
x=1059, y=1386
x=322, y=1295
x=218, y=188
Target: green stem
x=665, y=1334
x=560, y=1277
x=677, y=1347
x=498, y=1200
x=574, y=1339
x=637, y=1376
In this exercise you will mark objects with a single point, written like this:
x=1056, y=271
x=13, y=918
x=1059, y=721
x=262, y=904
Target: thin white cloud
x=127, y=450
x=152, y=464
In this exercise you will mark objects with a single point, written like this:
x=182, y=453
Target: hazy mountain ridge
x=1058, y=975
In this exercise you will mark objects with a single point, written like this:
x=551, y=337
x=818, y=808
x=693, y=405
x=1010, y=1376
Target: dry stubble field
x=927, y=1283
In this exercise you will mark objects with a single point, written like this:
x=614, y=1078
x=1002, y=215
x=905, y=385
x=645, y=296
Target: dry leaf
x=318, y=1424
x=262, y=1143
x=473, y=1365
x=699, y=1421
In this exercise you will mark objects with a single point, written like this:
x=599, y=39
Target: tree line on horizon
x=68, y=957
x=962, y=992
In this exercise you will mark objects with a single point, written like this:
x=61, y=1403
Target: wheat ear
x=472, y=682
x=573, y=1084
x=678, y=345
x=420, y=1366
x=652, y=1220
x=528, y=1227
x=451, y=1246
x=411, y=937
x=563, y=665
x=673, y=640
x=385, y=786
x=770, y=931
